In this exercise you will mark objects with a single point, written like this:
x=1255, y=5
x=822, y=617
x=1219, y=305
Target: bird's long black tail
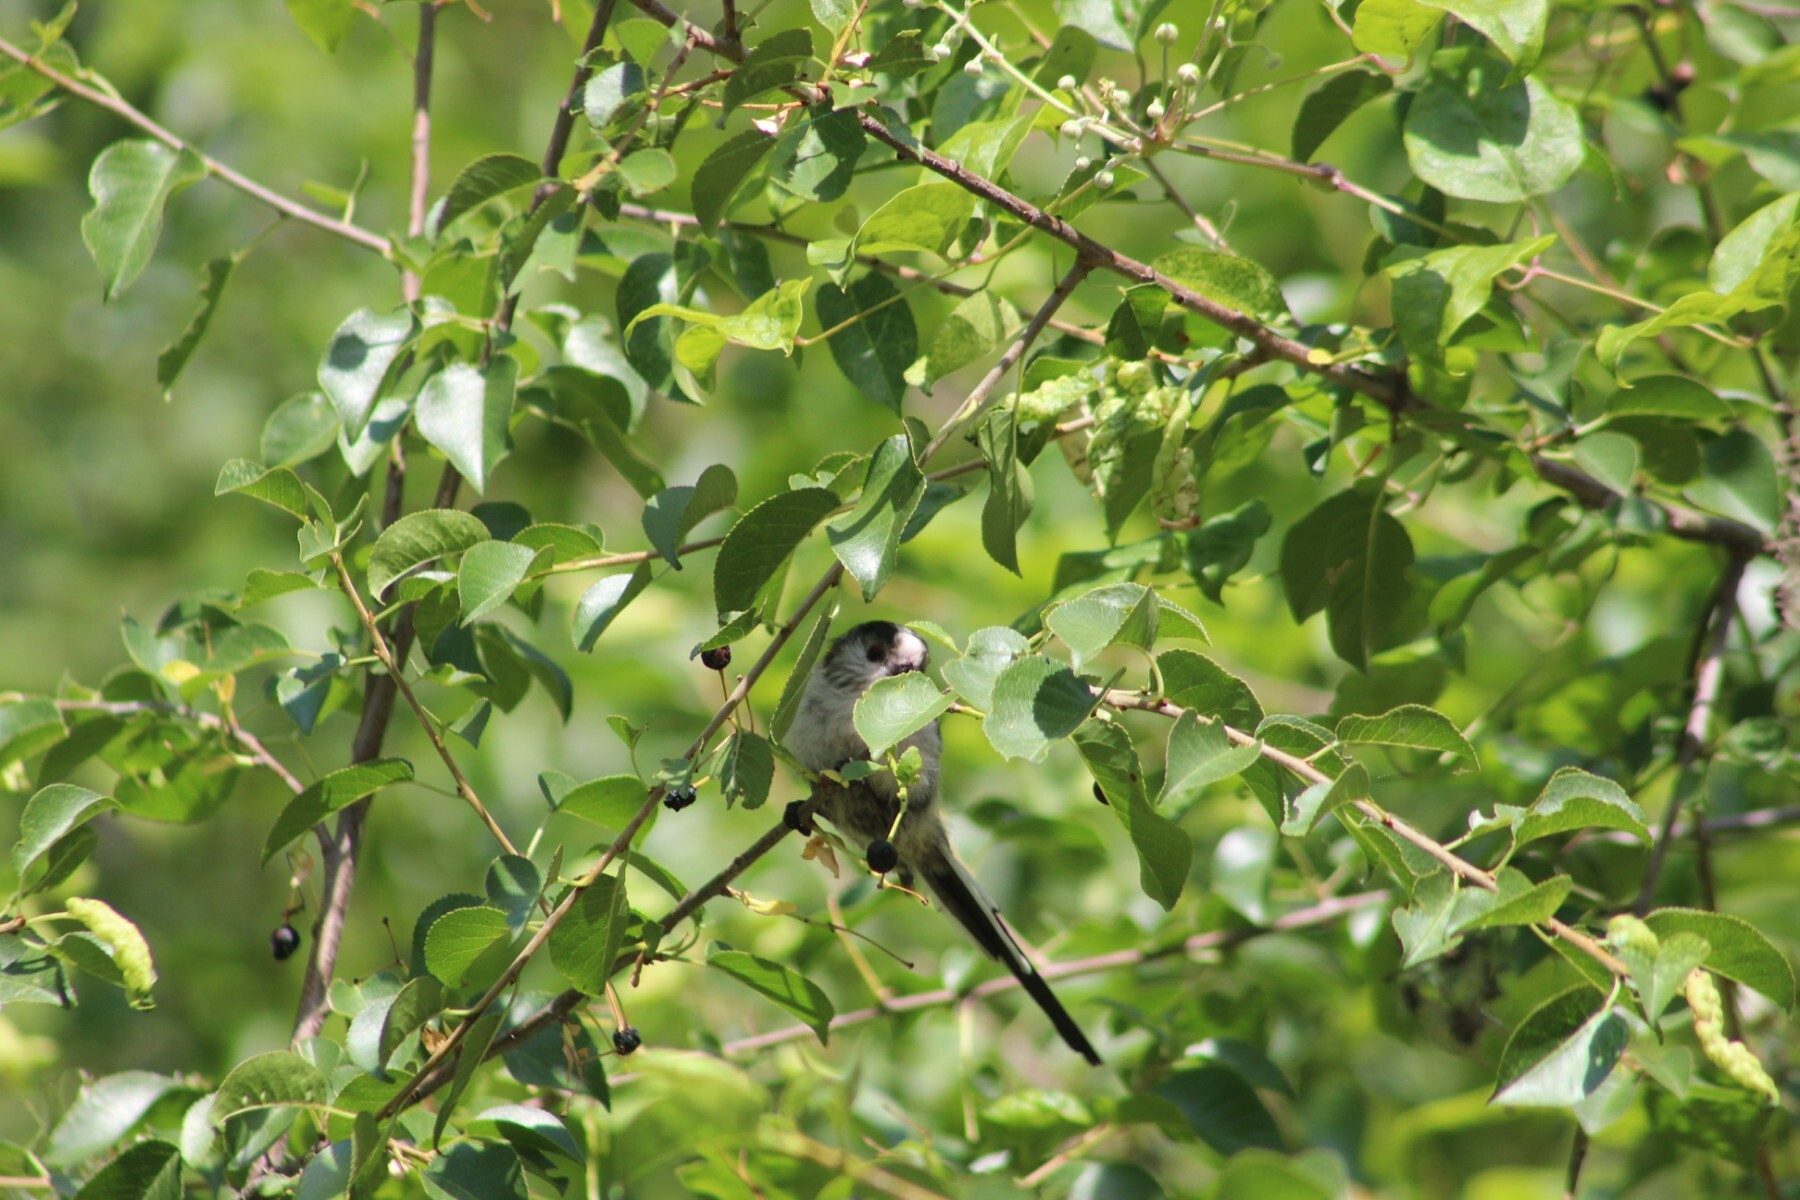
x=963, y=899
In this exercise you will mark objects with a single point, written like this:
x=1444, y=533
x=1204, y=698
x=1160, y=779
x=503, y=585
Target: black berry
x=283, y=942
x=679, y=798
x=882, y=856
x=716, y=659
x=1100, y=794
x=626, y=1039
x=796, y=817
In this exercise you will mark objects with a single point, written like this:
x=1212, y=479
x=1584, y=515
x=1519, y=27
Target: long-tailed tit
x=823, y=737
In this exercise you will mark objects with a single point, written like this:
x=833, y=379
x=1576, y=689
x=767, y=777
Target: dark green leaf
x=52, y=814
x=1562, y=1051
x=1165, y=852
x=604, y=601
x=1331, y=104
x=103, y=1113
x=1350, y=558
x=875, y=351
x=792, y=991
x=760, y=543
x=671, y=514
x=175, y=356
x=488, y=574
x=464, y=412
x=585, y=943
x=1010, y=493
x=1237, y=283
x=775, y=62
x=1740, y=480
x=1739, y=950
x=278, y=485
x=277, y=1078
x=339, y=789
x=1412, y=725
x=475, y=1170
x=356, y=362
x=720, y=178
x=149, y=1170
x=1472, y=134
x=483, y=180
x=458, y=938
x=28, y=727
x=748, y=769
x=895, y=708
x=1035, y=702
x=1118, y=614
x=867, y=540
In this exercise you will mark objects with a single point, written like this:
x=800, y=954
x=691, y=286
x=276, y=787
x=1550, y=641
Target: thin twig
x=205, y=720
x=241, y=182
x=396, y=669
x=798, y=1145
x=1709, y=673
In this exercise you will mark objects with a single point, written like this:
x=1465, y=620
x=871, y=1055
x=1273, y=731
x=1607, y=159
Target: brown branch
x=1736, y=536
x=214, y=167
x=419, y=194
x=1709, y=674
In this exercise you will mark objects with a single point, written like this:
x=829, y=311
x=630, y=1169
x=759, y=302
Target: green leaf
x=213, y=277
x=1757, y=259
x=775, y=62
x=474, y=1170
x=1195, y=681
x=275, y=1079
x=1199, y=755
x=458, y=938
x=991, y=651
x=513, y=886
x=482, y=180
x=339, y=789
x=927, y=216
x=970, y=333
x=273, y=485
x=720, y=178
x=612, y=93
x=103, y=1113
x=148, y=1170
x=1350, y=558
x=647, y=171
x=1673, y=396
x=1412, y=725
x=532, y=1130
x=1395, y=28
x=1660, y=976
x=1739, y=950
x=867, y=540
x=1436, y=294
x=488, y=574
x=791, y=990
x=1739, y=479
x=611, y=801
x=470, y=1055
x=1574, y=799
x=585, y=943
x=833, y=14
x=1117, y=614
x=671, y=514
x=760, y=543
x=130, y=182
x=1515, y=27
x=1612, y=458
x=817, y=160
x=1332, y=103
x=895, y=708
x=1258, y=1174
x=748, y=769
x=1562, y=1051
x=325, y=22
x=464, y=411
x=419, y=1001
x=1453, y=602
x=1165, y=852
x=604, y=601
x=1518, y=902
x=419, y=538
x=1239, y=284
x=52, y=814
x=1011, y=494
x=300, y=429
x=1221, y=1108
x=875, y=351
x=1305, y=810
x=789, y=705
x=357, y=360
x=123, y=942
x=901, y=55
x=1035, y=702
x=1473, y=135
x=1072, y=52
x=1429, y=926
x=28, y=727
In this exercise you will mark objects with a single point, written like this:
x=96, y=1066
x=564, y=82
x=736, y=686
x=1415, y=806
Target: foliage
x=1404, y=593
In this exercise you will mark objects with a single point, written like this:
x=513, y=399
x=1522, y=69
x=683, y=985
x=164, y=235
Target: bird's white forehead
x=909, y=645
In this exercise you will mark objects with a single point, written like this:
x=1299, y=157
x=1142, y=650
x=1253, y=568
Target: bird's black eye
x=877, y=652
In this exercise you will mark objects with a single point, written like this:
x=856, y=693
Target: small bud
x=1103, y=180
x=1074, y=127
x=942, y=50
x=1189, y=73
x=1083, y=163
x=1068, y=83
x=913, y=3
x=1155, y=111
x=973, y=67
x=1166, y=33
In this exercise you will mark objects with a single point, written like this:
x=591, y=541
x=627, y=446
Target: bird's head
x=873, y=650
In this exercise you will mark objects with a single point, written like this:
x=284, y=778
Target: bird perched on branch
x=869, y=810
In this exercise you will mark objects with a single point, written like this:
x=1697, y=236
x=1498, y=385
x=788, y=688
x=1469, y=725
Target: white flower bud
x=1068, y=83
x=1189, y=73
x=1083, y=163
x=913, y=3
x=1074, y=127
x=973, y=67
x=1103, y=180
x=942, y=50
x=1166, y=33
x=1155, y=111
